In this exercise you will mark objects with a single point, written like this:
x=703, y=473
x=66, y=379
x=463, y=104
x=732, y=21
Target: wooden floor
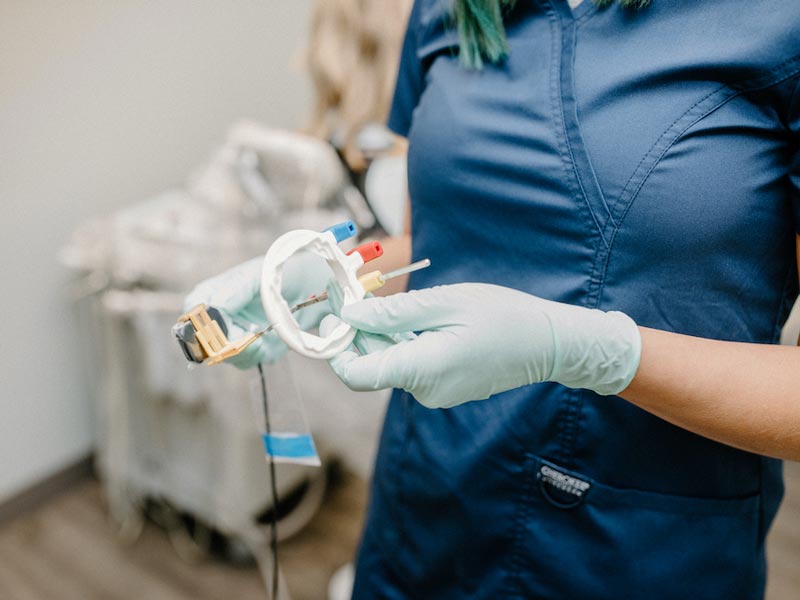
x=66, y=550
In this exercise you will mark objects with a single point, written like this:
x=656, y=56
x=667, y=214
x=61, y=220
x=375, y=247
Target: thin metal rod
x=420, y=264
x=294, y=309
x=310, y=301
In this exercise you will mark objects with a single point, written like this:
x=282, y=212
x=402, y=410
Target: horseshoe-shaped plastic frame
x=344, y=267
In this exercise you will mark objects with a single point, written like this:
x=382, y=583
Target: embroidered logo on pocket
x=560, y=489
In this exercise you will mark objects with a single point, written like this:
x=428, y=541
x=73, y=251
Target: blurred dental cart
x=182, y=442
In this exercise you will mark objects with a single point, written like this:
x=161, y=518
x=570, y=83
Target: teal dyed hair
x=481, y=34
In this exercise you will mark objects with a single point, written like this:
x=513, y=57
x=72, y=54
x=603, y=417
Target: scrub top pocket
x=578, y=534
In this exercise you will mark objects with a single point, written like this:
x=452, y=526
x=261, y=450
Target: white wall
x=103, y=103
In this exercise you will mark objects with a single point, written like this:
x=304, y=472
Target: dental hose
x=273, y=540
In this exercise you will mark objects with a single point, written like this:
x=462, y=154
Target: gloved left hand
x=479, y=339
x=237, y=295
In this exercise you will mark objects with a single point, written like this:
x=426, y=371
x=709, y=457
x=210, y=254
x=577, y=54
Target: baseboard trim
x=39, y=493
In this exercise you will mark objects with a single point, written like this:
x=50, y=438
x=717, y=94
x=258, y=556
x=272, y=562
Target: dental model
x=202, y=333
x=345, y=267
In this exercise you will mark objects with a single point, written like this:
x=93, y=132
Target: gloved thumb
x=365, y=343
x=377, y=369
x=416, y=310
x=328, y=324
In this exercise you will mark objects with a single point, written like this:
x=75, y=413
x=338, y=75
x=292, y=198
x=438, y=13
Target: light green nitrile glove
x=364, y=342
x=237, y=294
x=478, y=339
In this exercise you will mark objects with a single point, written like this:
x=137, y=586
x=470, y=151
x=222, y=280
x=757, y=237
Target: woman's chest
x=579, y=136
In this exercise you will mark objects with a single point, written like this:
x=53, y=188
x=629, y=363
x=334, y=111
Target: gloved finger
x=364, y=342
x=335, y=296
x=328, y=324
x=411, y=311
x=231, y=290
x=367, y=343
x=303, y=274
x=252, y=315
x=376, y=371
x=310, y=317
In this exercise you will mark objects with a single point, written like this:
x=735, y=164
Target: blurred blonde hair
x=353, y=53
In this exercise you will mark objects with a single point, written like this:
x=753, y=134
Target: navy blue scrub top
x=645, y=162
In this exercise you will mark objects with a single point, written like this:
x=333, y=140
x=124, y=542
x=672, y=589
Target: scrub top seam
x=571, y=427
x=586, y=192
x=590, y=12
x=408, y=407
x=658, y=141
x=566, y=73
x=518, y=529
x=579, y=152
x=782, y=72
x=774, y=76
x=656, y=159
x=643, y=169
x=565, y=431
x=734, y=91
x=555, y=38
x=562, y=139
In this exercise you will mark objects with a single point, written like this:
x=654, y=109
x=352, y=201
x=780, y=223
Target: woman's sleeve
x=410, y=77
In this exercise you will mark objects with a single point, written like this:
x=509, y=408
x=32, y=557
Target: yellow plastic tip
x=371, y=281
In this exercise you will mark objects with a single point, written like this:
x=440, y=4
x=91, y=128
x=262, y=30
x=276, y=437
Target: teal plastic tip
x=343, y=231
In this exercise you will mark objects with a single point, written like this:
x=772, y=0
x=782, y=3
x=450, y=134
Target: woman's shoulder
x=432, y=25
x=749, y=39
x=768, y=36
x=744, y=42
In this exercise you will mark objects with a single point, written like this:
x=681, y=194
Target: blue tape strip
x=289, y=445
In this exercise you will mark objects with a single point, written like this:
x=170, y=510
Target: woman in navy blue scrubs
x=611, y=205
x=640, y=161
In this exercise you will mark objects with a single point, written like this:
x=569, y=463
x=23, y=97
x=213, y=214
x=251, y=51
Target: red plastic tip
x=368, y=251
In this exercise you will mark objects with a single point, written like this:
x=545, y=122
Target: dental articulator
x=202, y=332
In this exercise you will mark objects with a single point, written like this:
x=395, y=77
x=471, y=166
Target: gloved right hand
x=477, y=340
x=237, y=295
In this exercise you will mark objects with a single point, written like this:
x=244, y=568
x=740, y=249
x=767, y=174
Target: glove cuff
x=599, y=352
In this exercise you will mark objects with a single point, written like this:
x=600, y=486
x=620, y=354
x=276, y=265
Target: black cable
x=273, y=541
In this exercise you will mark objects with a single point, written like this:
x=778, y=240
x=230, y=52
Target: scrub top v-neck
x=643, y=161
